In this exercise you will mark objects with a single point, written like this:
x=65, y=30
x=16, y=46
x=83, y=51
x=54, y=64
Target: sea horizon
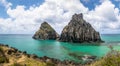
x=59, y=32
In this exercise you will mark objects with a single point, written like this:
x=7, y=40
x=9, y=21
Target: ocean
x=60, y=50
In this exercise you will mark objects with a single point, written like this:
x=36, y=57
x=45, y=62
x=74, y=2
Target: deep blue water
x=60, y=50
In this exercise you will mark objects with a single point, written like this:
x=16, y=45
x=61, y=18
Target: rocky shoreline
x=45, y=59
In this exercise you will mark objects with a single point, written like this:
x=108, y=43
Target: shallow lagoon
x=60, y=50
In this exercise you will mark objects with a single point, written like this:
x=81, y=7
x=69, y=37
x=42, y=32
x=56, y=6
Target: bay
x=60, y=50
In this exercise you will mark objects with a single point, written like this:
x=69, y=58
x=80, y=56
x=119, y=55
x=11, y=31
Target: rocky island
x=78, y=30
x=46, y=32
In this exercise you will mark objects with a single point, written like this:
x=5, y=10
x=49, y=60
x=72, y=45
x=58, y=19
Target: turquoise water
x=60, y=50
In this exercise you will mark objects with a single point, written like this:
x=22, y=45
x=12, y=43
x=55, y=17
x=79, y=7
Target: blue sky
x=87, y=3
x=26, y=3
x=35, y=12
x=92, y=3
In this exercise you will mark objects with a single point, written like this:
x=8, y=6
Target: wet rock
x=89, y=58
x=34, y=56
x=28, y=55
x=24, y=52
x=10, y=51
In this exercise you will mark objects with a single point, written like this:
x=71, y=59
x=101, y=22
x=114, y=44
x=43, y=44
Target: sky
x=25, y=16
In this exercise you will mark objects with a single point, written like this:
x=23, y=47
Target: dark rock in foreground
x=78, y=30
x=46, y=32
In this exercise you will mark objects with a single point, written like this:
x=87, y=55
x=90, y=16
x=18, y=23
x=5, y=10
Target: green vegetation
x=16, y=64
x=50, y=64
x=3, y=59
x=1, y=49
x=32, y=62
x=111, y=59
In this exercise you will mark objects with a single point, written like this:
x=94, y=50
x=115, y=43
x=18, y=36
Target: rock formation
x=78, y=30
x=45, y=32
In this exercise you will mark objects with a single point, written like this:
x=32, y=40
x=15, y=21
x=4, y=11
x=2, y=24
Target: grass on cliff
x=3, y=59
x=1, y=49
x=111, y=59
x=32, y=62
x=19, y=59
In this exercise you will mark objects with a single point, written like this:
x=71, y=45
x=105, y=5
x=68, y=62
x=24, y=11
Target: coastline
x=44, y=59
x=47, y=61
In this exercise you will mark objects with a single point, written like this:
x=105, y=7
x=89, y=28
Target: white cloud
x=5, y=3
x=58, y=13
x=104, y=17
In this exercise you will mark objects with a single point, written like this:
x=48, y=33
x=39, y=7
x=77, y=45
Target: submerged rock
x=78, y=30
x=46, y=32
x=89, y=57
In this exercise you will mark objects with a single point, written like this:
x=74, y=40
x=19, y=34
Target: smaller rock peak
x=44, y=22
x=46, y=32
x=45, y=25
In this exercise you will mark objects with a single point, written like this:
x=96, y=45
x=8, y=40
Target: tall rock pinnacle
x=78, y=30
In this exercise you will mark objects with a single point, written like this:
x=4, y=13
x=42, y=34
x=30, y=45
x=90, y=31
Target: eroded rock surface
x=46, y=32
x=78, y=30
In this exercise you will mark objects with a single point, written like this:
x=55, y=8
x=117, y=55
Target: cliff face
x=78, y=30
x=45, y=32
